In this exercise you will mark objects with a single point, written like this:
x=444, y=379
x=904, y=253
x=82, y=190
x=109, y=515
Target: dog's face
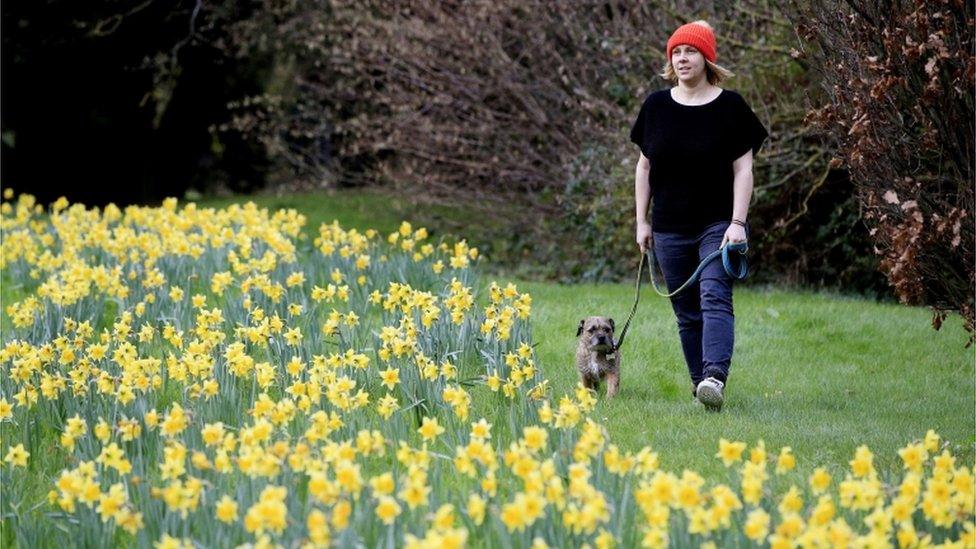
x=596, y=332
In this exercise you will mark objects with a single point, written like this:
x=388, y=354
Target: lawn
x=361, y=208
x=819, y=372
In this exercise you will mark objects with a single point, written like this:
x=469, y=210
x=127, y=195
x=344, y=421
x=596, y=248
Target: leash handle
x=742, y=248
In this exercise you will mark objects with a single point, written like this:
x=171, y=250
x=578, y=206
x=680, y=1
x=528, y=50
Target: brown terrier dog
x=596, y=359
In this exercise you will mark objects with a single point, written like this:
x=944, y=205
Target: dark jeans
x=703, y=310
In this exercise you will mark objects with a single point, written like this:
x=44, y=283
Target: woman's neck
x=698, y=90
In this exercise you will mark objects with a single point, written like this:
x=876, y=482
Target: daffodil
x=226, y=509
x=756, y=527
x=390, y=377
x=863, y=463
x=430, y=429
x=17, y=456
x=819, y=480
x=730, y=452
x=387, y=509
x=786, y=460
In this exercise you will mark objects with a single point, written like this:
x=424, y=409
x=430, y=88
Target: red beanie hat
x=698, y=34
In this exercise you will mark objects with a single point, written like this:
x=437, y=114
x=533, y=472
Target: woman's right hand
x=644, y=238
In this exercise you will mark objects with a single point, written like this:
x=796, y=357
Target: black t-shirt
x=691, y=149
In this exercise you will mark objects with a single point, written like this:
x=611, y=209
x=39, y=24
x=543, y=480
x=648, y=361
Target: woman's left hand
x=735, y=233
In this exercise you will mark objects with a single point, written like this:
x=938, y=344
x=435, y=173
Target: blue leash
x=728, y=258
x=726, y=252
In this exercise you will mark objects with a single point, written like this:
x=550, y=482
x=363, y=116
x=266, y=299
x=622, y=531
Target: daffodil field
x=194, y=377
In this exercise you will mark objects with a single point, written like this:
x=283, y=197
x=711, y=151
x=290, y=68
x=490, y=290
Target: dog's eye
x=590, y=329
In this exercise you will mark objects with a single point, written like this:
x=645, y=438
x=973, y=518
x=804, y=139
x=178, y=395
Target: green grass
x=368, y=208
x=822, y=373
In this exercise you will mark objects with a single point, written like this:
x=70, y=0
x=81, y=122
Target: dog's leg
x=590, y=383
x=613, y=383
x=585, y=381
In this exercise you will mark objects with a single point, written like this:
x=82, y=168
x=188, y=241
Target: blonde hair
x=713, y=72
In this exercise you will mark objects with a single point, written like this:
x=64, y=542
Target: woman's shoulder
x=732, y=95
x=734, y=98
x=656, y=97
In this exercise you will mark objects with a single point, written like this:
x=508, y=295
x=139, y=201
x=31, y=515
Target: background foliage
x=527, y=103
x=114, y=101
x=899, y=77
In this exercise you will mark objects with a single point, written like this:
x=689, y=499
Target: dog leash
x=650, y=259
x=741, y=247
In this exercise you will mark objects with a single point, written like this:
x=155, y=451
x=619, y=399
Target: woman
x=697, y=143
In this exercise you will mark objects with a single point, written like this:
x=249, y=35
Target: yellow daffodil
x=786, y=461
x=430, y=429
x=226, y=509
x=17, y=456
x=730, y=452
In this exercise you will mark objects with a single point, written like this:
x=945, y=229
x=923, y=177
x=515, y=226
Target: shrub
x=898, y=79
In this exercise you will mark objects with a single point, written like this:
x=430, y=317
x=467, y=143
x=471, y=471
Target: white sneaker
x=710, y=393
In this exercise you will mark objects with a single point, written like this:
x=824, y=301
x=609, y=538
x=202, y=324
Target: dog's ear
x=612, y=325
x=579, y=330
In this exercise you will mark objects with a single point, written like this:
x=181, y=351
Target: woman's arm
x=742, y=186
x=741, y=196
x=642, y=198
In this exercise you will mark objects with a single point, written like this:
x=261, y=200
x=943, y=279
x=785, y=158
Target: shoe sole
x=712, y=398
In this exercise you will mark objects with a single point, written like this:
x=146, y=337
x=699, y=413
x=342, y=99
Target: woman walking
x=697, y=142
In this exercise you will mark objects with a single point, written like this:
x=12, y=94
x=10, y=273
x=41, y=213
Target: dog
x=596, y=359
